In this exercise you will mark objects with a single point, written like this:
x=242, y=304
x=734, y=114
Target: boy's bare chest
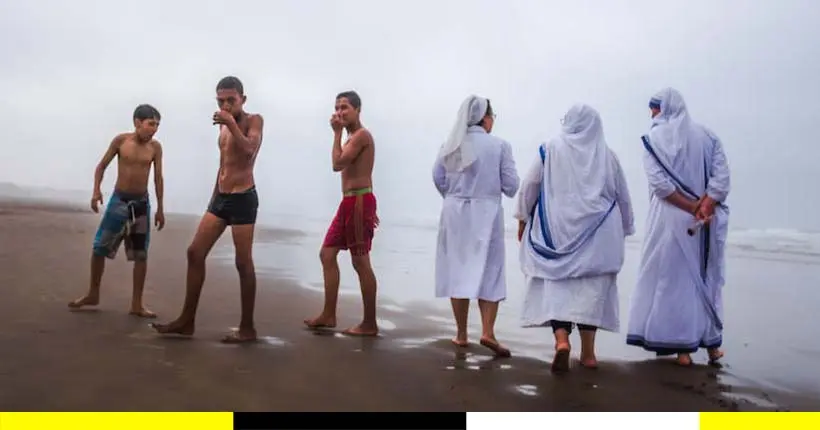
x=227, y=141
x=133, y=153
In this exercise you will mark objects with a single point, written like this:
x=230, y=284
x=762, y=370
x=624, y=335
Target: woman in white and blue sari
x=574, y=212
x=677, y=304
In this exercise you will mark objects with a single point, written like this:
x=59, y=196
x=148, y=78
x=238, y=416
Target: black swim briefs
x=236, y=208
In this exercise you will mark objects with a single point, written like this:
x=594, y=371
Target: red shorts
x=354, y=225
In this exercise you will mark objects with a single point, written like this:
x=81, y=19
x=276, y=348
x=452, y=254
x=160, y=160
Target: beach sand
x=55, y=359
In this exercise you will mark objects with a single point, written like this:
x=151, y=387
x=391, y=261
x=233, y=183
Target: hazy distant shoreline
x=770, y=244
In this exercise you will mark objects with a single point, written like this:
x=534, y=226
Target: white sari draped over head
x=677, y=304
x=472, y=172
x=578, y=211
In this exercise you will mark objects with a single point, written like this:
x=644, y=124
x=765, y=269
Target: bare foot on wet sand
x=560, y=363
x=175, y=327
x=240, y=336
x=684, y=360
x=460, y=342
x=84, y=301
x=321, y=321
x=493, y=345
x=363, y=330
x=142, y=313
x=589, y=362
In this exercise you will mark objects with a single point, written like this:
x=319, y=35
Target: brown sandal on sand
x=495, y=347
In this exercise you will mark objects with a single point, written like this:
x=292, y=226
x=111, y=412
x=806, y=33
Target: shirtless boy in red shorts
x=356, y=219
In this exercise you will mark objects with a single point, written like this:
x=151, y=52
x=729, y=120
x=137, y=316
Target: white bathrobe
x=578, y=211
x=677, y=306
x=470, y=253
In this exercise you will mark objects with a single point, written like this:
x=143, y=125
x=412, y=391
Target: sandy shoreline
x=53, y=359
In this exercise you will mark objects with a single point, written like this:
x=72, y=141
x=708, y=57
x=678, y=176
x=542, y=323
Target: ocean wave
x=791, y=242
x=785, y=241
x=766, y=240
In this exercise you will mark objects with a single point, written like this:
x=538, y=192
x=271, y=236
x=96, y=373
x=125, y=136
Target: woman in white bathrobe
x=574, y=212
x=472, y=172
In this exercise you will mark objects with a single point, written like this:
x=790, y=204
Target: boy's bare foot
x=175, y=327
x=241, y=336
x=321, y=321
x=142, y=313
x=84, y=301
x=363, y=330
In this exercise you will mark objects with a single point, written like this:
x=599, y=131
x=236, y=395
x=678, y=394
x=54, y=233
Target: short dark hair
x=352, y=97
x=231, y=83
x=145, y=111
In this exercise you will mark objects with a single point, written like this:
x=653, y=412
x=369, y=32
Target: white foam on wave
x=777, y=240
x=393, y=308
x=768, y=240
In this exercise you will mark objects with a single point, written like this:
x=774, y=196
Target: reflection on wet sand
x=272, y=341
x=526, y=389
x=530, y=371
x=531, y=377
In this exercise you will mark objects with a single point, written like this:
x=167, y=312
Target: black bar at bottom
x=350, y=420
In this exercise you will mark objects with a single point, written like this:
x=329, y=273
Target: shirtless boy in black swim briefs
x=234, y=203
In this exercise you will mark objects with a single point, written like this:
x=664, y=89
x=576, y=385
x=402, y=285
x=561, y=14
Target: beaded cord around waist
x=358, y=191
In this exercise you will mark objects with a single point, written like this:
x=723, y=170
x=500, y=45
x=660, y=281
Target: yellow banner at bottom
x=759, y=420
x=116, y=420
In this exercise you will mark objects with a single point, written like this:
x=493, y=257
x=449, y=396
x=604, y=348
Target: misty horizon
x=76, y=71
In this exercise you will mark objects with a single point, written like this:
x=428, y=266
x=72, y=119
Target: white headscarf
x=580, y=164
x=578, y=185
x=457, y=152
x=672, y=127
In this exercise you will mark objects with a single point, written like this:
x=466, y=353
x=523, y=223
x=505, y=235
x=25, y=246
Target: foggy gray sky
x=72, y=73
